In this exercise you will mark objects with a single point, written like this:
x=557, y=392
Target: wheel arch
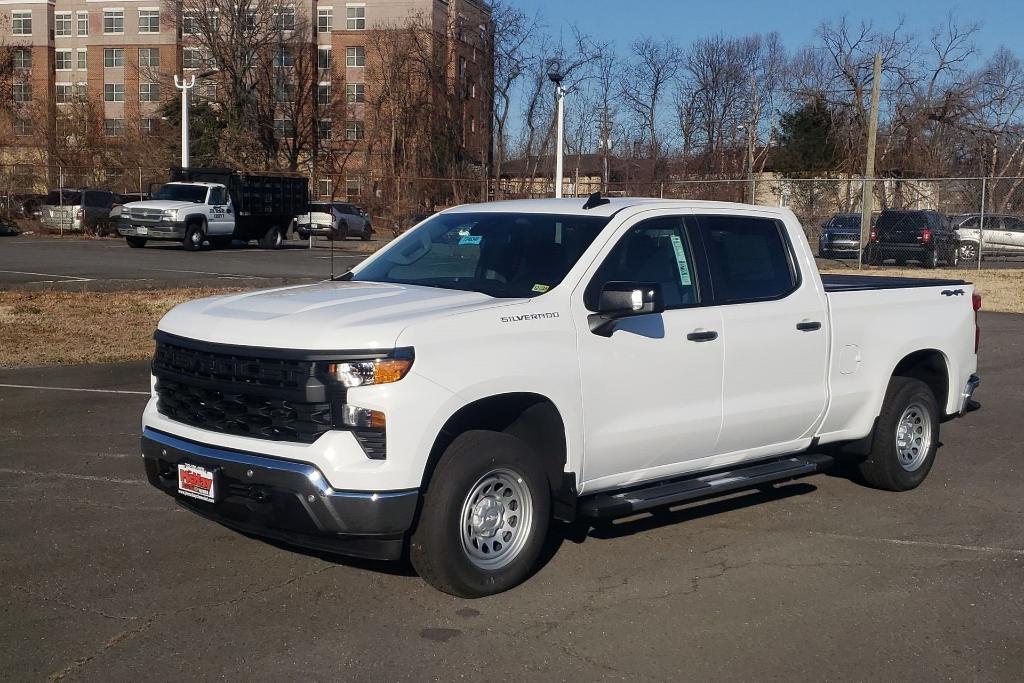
x=931, y=367
x=531, y=417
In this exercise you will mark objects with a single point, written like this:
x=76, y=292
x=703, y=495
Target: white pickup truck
x=505, y=364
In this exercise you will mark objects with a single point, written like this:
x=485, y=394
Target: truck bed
x=857, y=283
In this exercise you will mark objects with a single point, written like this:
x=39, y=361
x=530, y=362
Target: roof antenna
x=596, y=200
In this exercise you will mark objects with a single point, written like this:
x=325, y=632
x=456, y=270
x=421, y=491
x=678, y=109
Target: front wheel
x=135, y=242
x=194, y=237
x=485, y=516
x=969, y=251
x=906, y=437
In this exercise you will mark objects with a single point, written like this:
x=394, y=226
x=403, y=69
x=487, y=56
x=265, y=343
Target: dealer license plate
x=197, y=482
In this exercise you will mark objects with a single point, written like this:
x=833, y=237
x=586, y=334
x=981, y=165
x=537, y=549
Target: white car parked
x=334, y=220
x=505, y=364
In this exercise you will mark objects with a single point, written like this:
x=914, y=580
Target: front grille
x=278, y=399
x=146, y=214
x=233, y=412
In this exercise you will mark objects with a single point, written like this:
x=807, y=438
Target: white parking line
x=66, y=475
x=73, y=278
x=926, y=544
x=94, y=391
x=203, y=272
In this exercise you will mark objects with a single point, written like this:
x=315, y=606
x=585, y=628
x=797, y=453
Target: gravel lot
x=104, y=578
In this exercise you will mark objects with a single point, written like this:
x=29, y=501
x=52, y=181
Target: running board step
x=671, y=492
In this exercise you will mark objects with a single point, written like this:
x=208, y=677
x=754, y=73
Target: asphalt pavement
x=104, y=578
x=110, y=264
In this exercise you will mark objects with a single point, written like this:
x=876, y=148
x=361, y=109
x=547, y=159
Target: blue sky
x=1002, y=21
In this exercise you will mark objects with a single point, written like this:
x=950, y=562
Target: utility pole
x=867, y=205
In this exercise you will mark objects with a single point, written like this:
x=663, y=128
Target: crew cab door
x=774, y=334
x=220, y=217
x=652, y=390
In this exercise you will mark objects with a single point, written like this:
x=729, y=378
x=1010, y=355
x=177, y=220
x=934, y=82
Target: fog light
x=354, y=416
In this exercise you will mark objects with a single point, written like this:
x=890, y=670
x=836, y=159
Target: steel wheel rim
x=496, y=519
x=196, y=238
x=913, y=437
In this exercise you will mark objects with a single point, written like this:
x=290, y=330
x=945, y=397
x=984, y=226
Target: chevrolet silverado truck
x=503, y=365
x=217, y=206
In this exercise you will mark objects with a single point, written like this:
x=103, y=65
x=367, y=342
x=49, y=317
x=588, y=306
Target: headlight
x=361, y=373
x=170, y=213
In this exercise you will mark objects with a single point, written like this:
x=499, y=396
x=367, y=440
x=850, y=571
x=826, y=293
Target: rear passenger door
x=1013, y=233
x=774, y=333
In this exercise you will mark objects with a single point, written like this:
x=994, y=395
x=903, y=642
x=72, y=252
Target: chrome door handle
x=808, y=326
x=702, y=335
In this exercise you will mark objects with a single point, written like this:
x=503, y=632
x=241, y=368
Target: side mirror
x=624, y=300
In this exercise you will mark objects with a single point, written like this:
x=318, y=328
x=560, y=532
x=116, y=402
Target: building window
x=64, y=93
x=191, y=58
x=22, y=58
x=323, y=129
x=355, y=17
x=354, y=130
x=21, y=22
x=149, y=56
x=149, y=92
x=285, y=128
x=81, y=91
x=284, y=58
x=113, y=128
x=355, y=56
x=323, y=58
x=62, y=60
x=113, y=92
x=353, y=187
x=22, y=92
x=113, y=57
x=189, y=26
x=62, y=24
x=149, y=21
x=23, y=127
x=82, y=59
x=324, y=19
x=213, y=20
x=208, y=90
x=324, y=187
x=284, y=18
x=147, y=126
x=83, y=23
x=323, y=94
x=355, y=92
x=284, y=92
x=250, y=21
x=462, y=66
x=113, y=21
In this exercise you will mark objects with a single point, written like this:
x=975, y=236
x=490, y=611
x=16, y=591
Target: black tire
x=367, y=232
x=438, y=550
x=135, y=242
x=194, y=237
x=272, y=239
x=883, y=468
x=969, y=251
x=953, y=256
x=931, y=259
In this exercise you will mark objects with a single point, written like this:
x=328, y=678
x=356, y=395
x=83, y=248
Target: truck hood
x=323, y=316
x=161, y=205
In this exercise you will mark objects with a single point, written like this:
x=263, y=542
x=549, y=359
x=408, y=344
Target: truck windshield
x=498, y=254
x=181, y=193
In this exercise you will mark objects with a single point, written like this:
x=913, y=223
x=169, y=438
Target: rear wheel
x=272, y=239
x=931, y=259
x=135, y=242
x=485, y=516
x=367, y=232
x=953, y=256
x=905, y=438
x=194, y=237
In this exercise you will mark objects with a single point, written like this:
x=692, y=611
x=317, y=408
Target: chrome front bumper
x=284, y=499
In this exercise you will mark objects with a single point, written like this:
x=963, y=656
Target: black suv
x=908, y=235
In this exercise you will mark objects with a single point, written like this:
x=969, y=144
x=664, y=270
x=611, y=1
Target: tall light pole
x=556, y=76
x=184, y=84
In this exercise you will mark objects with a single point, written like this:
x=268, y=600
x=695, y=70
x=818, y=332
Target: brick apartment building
x=122, y=55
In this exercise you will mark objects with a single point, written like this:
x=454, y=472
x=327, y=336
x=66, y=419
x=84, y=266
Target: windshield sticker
x=541, y=288
x=681, y=264
x=471, y=239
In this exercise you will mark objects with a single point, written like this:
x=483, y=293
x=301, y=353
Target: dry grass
x=1001, y=290
x=69, y=328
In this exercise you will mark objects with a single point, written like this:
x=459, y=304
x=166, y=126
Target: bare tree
x=645, y=82
x=513, y=34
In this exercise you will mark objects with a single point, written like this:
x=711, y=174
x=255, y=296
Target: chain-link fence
x=920, y=221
